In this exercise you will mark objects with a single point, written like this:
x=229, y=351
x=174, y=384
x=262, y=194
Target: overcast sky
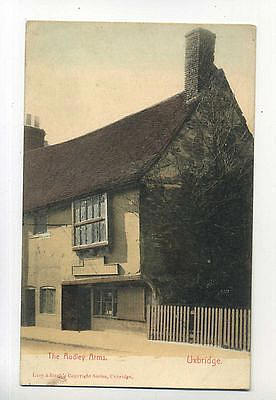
x=82, y=76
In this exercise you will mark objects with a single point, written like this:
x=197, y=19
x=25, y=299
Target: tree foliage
x=201, y=215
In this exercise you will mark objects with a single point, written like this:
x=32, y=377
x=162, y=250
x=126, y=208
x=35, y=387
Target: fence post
x=184, y=324
x=198, y=326
x=249, y=331
x=209, y=326
x=164, y=322
x=224, y=326
x=171, y=323
x=168, y=323
x=216, y=327
x=181, y=325
x=204, y=324
x=244, y=330
x=212, y=325
x=154, y=321
x=220, y=328
x=237, y=330
x=228, y=328
x=188, y=325
x=157, y=322
x=240, y=341
x=201, y=324
x=177, y=324
x=174, y=323
x=195, y=326
x=148, y=321
x=233, y=329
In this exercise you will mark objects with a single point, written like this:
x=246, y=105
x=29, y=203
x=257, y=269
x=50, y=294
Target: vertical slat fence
x=208, y=326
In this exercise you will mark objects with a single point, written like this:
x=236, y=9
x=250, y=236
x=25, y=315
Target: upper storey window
x=40, y=223
x=90, y=221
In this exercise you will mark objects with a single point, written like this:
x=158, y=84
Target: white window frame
x=89, y=221
x=102, y=302
x=47, y=311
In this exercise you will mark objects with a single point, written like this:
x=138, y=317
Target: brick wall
x=199, y=58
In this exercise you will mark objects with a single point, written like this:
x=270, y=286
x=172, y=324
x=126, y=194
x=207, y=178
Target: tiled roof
x=112, y=156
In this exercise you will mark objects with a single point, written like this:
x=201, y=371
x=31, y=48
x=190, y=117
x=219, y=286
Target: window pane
x=42, y=301
x=97, y=295
x=102, y=206
x=89, y=238
x=40, y=223
x=89, y=209
x=102, y=231
x=77, y=236
x=107, y=302
x=95, y=206
x=51, y=300
x=107, y=308
x=77, y=211
x=114, y=308
x=83, y=210
x=95, y=232
x=83, y=234
x=97, y=308
x=47, y=300
x=97, y=302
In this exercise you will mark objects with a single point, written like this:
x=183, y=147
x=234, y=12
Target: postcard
x=137, y=225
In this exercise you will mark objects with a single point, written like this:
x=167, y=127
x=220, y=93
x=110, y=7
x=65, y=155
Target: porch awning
x=103, y=279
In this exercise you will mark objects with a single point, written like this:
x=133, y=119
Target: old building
x=154, y=208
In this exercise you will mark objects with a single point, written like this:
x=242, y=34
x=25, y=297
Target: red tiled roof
x=117, y=154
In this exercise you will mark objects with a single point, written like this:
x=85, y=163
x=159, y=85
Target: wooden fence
x=210, y=326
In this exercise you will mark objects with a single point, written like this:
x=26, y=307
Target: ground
x=29, y=347
x=159, y=365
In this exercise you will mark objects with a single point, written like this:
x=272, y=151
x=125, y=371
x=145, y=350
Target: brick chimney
x=199, y=61
x=33, y=135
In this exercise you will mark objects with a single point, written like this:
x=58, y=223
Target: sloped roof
x=117, y=154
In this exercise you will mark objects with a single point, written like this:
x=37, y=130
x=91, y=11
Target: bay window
x=90, y=221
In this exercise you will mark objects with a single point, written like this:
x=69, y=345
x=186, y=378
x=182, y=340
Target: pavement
x=122, y=341
x=104, y=340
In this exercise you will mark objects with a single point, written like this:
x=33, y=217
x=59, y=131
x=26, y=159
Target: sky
x=80, y=76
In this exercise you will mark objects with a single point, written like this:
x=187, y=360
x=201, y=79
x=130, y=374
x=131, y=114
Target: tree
x=202, y=214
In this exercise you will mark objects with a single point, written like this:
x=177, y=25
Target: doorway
x=76, y=308
x=28, y=309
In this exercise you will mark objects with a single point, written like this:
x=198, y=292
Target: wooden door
x=28, y=311
x=76, y=308
x=69, y=308
x=84, y=308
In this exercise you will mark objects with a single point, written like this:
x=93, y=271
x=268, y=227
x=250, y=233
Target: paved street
x=33, y=347
x=134, y=363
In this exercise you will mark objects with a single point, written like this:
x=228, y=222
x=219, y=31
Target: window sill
x=45, y=313
x=90, y=246
x=40, y=235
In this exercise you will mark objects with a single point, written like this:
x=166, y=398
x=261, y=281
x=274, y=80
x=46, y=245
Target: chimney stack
x=199, y=61
x=36, y=121
x=28, y=119
x=33, y=135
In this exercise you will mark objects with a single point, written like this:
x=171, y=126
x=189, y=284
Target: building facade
x=153, y=209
